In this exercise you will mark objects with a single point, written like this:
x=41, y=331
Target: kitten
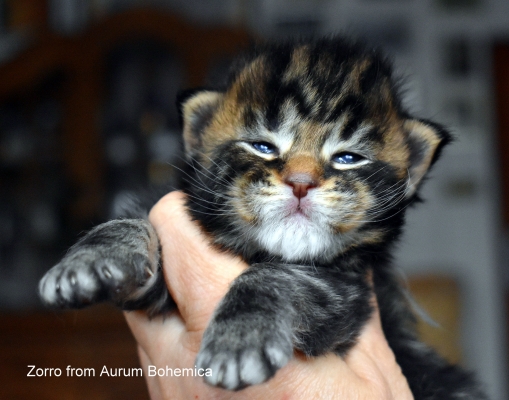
x=303, y=164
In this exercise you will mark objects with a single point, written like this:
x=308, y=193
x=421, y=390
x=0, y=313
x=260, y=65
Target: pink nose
x=300, y=183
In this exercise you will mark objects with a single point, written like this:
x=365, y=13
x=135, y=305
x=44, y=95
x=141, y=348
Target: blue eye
x=347, y=158
x=264, y=147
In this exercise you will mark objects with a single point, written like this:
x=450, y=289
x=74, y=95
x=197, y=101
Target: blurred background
x=87, y=115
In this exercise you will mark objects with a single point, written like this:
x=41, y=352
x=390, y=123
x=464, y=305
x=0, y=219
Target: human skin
x=198, y=276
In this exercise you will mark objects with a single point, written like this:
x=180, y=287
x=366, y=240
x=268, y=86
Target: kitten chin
x=298, y=235
x=298, y=239
x=298, y=229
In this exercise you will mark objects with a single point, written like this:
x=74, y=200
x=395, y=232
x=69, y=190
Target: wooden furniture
x=82, y=58
x=90, y=338
x=439, y=298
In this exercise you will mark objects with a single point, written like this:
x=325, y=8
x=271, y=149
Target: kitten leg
x=269, y=310
x=116, y=261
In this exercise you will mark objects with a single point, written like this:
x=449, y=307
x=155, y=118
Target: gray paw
x=240, y=356
x=87, y=276
x=117, y=261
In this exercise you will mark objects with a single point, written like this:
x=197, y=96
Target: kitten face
x=305, y=199
x=306, y=154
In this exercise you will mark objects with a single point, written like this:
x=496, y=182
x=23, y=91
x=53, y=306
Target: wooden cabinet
x=71, y=73
x=91, y=338
x=81, y=59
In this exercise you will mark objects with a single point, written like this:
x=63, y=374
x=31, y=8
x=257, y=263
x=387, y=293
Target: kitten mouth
x=299, y=209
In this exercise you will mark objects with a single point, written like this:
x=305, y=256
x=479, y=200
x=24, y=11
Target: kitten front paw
x=87, y=276
x=117, y=261
x=239, y=355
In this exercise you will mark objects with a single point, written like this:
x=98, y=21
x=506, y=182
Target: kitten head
x=306, y=153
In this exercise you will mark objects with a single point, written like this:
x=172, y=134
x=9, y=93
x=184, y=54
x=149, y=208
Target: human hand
x=198, y=277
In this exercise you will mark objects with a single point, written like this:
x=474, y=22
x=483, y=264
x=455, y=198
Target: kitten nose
x=301, y=183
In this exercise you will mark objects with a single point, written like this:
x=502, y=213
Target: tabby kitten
x=304, y=165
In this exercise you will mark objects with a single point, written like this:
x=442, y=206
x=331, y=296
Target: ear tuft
x=197, y=107
x=425, y=141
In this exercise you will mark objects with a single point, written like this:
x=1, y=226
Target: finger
x=198, y=276
x=373, y=361
x=371, y=343
x=165, y=340
x=154, y=389
x=155, y=335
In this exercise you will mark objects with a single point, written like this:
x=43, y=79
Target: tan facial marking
x=238, y=200
x=249, y=85
x=298, y=64
x=303, y=164
x=394, y=150
x=353, y=80
x=357, y=208
x=372, y=237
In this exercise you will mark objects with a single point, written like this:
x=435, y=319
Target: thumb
x=197, y=275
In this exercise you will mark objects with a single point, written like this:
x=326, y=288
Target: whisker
x=200, y=182
x=213, y=214
x=214, y=162
x=205, y=200
x=215, y=178
x=206, y=189
x=198, y=202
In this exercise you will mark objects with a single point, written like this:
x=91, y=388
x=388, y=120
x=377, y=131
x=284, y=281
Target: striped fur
x=304, y=164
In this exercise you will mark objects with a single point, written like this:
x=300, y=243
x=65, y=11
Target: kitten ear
x=196, y=108
x=425, y=140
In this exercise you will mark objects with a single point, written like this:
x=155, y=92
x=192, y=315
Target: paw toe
x=48, y=289
x=254, y=368
x=278, y=355
x=236, y=369
x=224, y=372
